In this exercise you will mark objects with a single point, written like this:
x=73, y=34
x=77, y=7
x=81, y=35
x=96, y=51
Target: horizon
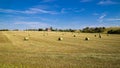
x=60, y=14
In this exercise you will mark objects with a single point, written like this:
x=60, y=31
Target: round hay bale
x=86, y=38
x=100, y=36
x=26, y=38
x=95, y=35
x=60, y=39
x=74, y=35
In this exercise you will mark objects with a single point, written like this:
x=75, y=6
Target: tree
x=40, y=29
x=114, y=31
x=94, y=30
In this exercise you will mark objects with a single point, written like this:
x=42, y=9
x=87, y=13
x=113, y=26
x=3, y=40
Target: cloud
x=9, y=11
x=29, y=11
x=113, y=19
x=106, y=2
x=85, y=0
x=101, y=18
x=38, y=10
x=32, y=24
x=75, y=10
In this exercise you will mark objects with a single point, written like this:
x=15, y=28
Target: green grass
x=47, y=52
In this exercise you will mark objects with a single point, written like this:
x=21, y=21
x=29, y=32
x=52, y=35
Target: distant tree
x=16, y=30
x=94, y=30
x=71, y=30
x=46, y=29
x=114, y=31
x=55, y=29
x=31, y=30
x=4, y=29
x=40, y=29
x=51, y=28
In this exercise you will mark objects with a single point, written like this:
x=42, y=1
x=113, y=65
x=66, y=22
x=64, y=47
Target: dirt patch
x=3, y=38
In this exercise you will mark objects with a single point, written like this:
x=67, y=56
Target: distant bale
x=95, y=35
x=74, y=35
x=26, y=38
x=100, y=36
x=60, y=39
x=86, y=38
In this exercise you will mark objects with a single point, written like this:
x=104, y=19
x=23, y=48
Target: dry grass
x=47, y=52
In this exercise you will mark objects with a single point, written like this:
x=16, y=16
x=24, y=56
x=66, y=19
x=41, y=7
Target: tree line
x=84, y=30
x=94, y=29
x=114, y=31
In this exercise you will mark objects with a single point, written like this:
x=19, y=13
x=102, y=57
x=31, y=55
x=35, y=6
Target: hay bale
x=74, y=35
x=26, y=38
x=60, y=39
x=86, y=38
x=95, y=35
x=100, y=36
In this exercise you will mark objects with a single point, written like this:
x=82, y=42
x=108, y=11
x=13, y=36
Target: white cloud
x=75, y=10
x=113, y=19
x=33, y=24
x=9, y=11
x=107, y=2
x=101, y=18
x=85, y=0
x=38, y=10
x=29, y=11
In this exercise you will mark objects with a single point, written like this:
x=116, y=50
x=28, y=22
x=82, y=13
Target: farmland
x=43, y=50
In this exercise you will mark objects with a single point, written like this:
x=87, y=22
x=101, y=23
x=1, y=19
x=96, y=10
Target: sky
x=61, y=14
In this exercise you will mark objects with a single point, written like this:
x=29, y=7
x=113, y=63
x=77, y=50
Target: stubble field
x=43, y=50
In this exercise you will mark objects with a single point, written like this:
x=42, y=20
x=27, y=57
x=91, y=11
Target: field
x=43, y=50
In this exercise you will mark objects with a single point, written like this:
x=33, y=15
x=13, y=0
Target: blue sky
x=75, y=14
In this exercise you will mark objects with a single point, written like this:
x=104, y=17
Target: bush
x=93, y=30
x=4, y=29
x=114, y=31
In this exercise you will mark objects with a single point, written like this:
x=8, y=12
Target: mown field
x=43, y=50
